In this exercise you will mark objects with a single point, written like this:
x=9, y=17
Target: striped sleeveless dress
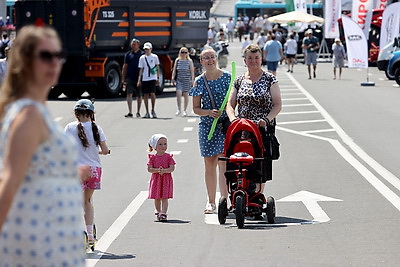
x=183, y=79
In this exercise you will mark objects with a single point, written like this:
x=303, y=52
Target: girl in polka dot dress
x=89, y=137
x=160, y=165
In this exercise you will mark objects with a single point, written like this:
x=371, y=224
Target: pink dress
x=161, y=186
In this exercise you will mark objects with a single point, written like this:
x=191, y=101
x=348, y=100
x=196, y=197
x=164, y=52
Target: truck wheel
x=397, y=75
x=73, y=92
x=54, y=93
x=111, y=84
x=160, y=89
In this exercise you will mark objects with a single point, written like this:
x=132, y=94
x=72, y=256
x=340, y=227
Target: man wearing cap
x=130, y=74
x=311, y=45
x=149, y=78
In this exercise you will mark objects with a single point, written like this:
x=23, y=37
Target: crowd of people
x=44, y=168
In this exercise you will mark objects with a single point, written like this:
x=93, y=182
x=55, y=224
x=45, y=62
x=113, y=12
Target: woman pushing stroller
x=256, y=95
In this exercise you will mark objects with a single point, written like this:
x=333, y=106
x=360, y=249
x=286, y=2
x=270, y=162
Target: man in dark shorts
x=311, y=45
x=149, y=78
x=130, y=74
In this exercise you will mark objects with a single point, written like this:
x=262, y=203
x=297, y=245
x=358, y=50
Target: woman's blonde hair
x=252, y=48
x=20, y=62
x=183, y=56
x=206, y=50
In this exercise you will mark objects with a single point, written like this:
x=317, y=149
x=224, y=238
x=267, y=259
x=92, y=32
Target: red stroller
x=243, y=150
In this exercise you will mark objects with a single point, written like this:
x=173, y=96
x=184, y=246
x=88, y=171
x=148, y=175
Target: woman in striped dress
x=183, y=78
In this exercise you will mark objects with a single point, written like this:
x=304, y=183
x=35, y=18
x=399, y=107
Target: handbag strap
x=209, y=91
x=148, y=65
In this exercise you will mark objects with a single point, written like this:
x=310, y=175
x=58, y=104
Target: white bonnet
x=154, y=140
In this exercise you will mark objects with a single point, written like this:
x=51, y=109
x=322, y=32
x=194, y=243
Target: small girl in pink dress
x=160, y=165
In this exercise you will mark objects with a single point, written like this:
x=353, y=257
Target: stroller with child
x=245, y=162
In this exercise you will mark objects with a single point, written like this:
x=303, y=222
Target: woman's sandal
x=210, y=208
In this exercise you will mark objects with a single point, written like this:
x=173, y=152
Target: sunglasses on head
x=47, y=56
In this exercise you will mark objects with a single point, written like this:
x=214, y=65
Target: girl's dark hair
x=81, y=131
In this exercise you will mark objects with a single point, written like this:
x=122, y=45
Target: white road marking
x=319, y=131
x=368, y=175
x=175, y=152
x=182, y=141
x=57, y=119
x=299, y=122
x=187, y=129
x=292, y=99
x=297, y=105
x=285, y=94
x=310, y=200
x=191, y=120
x=116, y=228
x=299, y=112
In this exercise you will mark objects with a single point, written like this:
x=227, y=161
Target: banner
x=357, y=46
x=362, y=14
x=289, y=5
x=300, y=5
x=390, y=24
x=333, y=10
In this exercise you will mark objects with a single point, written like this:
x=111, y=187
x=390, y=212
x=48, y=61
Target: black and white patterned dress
x=254, y=99
x=184, y=78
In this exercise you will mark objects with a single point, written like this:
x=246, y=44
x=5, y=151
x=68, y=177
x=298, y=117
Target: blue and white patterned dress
x=44, y=226
x=219, y=88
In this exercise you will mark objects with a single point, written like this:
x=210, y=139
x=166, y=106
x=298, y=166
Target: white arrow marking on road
x=311, y=200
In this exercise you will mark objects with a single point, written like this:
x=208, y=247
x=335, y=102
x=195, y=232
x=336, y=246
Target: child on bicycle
x=160, y=165
x=91, y=142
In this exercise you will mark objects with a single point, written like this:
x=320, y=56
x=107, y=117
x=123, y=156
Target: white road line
x=187, y=129
x=290, y=90
x=286, y=94
x=182, y=141
x=299, y=112
x=175, y=152
x=297, y=105
x=57, y=119
x=372, y=179
x=319, y=131
x=191, y=120
x=116, y=228
x=299, y=122
x=292, y=99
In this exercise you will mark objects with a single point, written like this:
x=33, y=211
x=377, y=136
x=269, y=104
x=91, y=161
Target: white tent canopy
x=295, y=16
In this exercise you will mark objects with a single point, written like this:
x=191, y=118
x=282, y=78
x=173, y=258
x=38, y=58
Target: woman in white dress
x=41, y=222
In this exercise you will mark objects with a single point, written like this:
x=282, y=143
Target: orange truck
x=96, y=34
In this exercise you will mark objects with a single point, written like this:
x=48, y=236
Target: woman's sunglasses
x=184, y=52
x=47, y=56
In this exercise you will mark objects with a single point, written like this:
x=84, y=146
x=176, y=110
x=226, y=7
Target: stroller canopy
x=242, y=125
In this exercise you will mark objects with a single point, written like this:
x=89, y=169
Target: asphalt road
x=336, y=183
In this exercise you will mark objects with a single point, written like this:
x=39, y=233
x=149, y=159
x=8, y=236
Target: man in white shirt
x=149, y=78
x=230, y=26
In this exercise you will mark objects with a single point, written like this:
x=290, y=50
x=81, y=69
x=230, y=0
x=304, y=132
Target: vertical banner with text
x=390, y=24
x=361, y=13
x=332, y=14
x=357, y=46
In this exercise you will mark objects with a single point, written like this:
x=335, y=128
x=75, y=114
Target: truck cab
x=96, y=35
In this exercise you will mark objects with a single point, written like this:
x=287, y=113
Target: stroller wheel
x=239, y=211
x=222, y=210
x=271, y=210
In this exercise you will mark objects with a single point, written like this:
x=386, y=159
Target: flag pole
x=367, y=83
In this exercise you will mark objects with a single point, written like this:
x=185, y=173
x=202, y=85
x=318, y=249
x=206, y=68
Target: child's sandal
x=163, y=217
